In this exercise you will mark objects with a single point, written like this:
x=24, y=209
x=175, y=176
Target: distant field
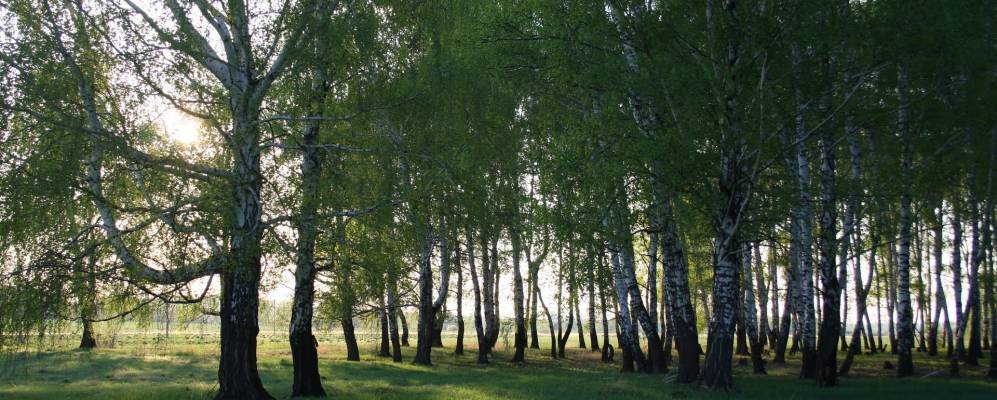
x=183, y=367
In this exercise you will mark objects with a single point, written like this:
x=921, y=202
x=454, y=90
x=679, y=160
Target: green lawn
x=184, y=368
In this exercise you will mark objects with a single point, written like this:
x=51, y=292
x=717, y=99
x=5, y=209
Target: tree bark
x=593, y=333
x=401, y=318
x=459, y=347
x=827, y=344
x=349, y=334
x=804, y=214
x=382, y=315
x=960, y=325
x=749, y=311
x=304, y=354
x=905, y=363
x=396, y=348
x=683, y=314
x=763, y=296
x=520, y=339
x=478, y=325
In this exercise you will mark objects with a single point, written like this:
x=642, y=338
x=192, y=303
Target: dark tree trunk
x=734, y=188
x=905, y=315
x=424, y=329
x=748, y=311
x=517, y=300
x=459, y=347
x=489, y=265
x=763, y=296
x=431, y=311
x=829, y=335
x=960, y=324
x=891, y=305
x=741, y=337
x=238, y=377
x=975, y=351
x=593, y=334
x=550, y=325
x=401, y=317
x=382, y=314
x=682, y=314
x=563, y=340
x=607, y=348
x=534, y=289
x=861, y=295
x=581, y=329
x=396, y=348
x=774, y=327
x=787, y=316
x=716, y=369
x=476, y=286
x=304, y=353
x=438, y=322
x=88, y=340
x=349, y=335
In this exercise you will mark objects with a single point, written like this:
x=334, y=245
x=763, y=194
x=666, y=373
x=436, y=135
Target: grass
x=184, y=367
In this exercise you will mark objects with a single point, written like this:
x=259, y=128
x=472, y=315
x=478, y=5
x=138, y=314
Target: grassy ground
x=140, y=367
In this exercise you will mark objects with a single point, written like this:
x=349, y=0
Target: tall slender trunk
x=593, y=334
x=238, y=377
x=681, y=312
x=607, y=348
x=774, y=330
x=401, y=318
x=905, y=362
x=960, y=325
x=550, y=325
x=349, y=331
x=652, y=277
x=488, y=276
x=88, y=304
x=478, y=324
x=430, y=310
x=382, y=315
x=975, y=350
x=891, y=304
x=789, y=300
x=748, y=310
x=639, y=313
x=427, y=315
x=921, y=297
x=459, y=347
x=304, y=354
x=520, y=340
x=827, y=343
x=763, y=296
x=534, y=293
x=939, y=239
x=804, y=214
x=627, y=336
x=861, y=295
x=578, y=314
x=396, y=346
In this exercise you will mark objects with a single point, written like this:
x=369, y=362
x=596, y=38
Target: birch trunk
x=478, y=324
x=520, y=340
x=749, y=311
x=830, y=327
x=905, y=339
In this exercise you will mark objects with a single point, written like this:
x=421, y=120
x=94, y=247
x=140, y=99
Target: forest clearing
x=182, y=367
